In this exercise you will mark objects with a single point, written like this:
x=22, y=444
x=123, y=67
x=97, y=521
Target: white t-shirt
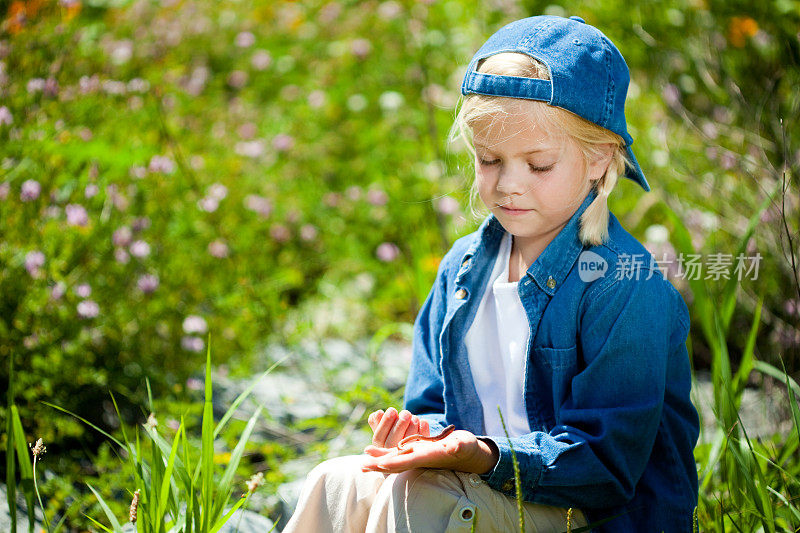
x=497, y=343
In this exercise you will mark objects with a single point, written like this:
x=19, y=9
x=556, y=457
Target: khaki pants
x=338, y=497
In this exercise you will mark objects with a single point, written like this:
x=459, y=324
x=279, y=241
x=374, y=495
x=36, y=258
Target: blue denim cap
x=588, y=75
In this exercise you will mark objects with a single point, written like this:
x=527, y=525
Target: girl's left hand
x=460, y=450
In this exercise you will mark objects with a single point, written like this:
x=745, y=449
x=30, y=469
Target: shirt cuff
x=501, y=477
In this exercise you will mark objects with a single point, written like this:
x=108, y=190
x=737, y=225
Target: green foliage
x=287, y=172
x=170, y=493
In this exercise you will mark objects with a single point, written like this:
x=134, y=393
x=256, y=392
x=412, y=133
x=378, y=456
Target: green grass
x=174, y=494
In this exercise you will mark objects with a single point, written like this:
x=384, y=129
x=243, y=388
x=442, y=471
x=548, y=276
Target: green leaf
x=25, y=466
x=117, y=442
x=165, y=484
x=98, y=524
x=746, y=365
x=236, y=455
x=245, y=393
x=106, y=509
x=11, y=470
x=207, y=449
x=729, y=292
x=770, y=370
x=221, y=522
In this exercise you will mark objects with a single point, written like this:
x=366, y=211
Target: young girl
x=550, y=313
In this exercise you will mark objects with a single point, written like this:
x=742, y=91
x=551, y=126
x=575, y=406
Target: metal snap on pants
x=338, y=497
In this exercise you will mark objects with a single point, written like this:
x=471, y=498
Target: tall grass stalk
x=756, y=480
x=517, y=477
x=175, y=494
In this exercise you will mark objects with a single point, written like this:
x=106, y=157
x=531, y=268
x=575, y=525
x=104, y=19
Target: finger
x=376, y=451
x=413, y=427
x=373, y=468
x=399, y=429
x=424, y=427
x=374, y=418
x=384, y=427
x=392, y=463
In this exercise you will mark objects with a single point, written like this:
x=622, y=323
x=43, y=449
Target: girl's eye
x=534, y=168
x=541, y=169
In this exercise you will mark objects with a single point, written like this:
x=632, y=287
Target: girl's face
x=532, y=179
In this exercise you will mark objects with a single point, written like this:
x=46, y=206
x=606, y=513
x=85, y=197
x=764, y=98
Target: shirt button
x=551, y=283
x=507, y=485
x=475, y=480
x=461, y=293
x=467, y=513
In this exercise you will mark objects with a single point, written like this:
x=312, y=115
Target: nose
x=511, y=180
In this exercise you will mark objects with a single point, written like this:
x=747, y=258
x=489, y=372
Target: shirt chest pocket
x=550, y=383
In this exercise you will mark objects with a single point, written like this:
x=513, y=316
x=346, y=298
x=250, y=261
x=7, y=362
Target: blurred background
x=274, y=176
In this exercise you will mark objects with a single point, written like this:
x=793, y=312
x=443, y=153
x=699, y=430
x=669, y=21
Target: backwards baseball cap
x=588, y=75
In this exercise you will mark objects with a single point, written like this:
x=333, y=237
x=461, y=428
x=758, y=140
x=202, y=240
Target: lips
x=513, y=210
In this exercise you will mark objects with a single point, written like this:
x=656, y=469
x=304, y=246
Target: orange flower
x=73, y=8
x=739, y=29
x=431, y=263
x=16, y=17
x=19, y=13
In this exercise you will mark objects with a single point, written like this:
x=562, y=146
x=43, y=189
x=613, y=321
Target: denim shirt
x=607, y=377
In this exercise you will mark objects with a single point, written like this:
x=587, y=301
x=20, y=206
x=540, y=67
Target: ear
x=598, y=167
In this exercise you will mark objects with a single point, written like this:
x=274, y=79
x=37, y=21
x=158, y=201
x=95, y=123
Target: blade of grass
x=517, y=479
x=227, y=478
x=703, y=306
x=786, y=502
x=165, y=484
x=732, y=284
x=746, y=364
x=106, y=509
x=156, y=477
x=207, y=447
x=221, y=522
x=165, y=447
x=772, y=371
x=11, y=460
x=244, y=394
x=188, y=484
x=25, y=466
x=98, y=524
x=117, y=442
x=757, y=494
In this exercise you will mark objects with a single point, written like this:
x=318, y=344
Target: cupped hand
x=390, y=427
x=461, y=450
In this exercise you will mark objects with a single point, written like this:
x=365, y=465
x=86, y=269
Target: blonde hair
x=588, y=136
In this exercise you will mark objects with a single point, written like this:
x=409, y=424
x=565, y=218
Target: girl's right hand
x=390, y=427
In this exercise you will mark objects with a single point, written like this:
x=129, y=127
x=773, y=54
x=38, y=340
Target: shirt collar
x=554, y=263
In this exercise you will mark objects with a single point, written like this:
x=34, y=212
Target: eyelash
x=533, y=168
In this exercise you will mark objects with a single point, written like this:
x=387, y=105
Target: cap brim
x=635, y=173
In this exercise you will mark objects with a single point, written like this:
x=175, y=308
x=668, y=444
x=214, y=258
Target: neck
x=524, y=252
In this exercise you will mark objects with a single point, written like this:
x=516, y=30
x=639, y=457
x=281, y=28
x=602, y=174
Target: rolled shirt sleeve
x=607, y=424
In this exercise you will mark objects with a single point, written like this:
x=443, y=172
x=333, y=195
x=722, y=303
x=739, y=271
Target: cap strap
x=513, y=86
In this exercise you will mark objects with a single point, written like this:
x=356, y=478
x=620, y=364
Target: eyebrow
x=535, y=150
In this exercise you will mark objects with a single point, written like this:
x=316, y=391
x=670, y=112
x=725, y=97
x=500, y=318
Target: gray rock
x=22, y=515
x=763, y=413
x=245, y=521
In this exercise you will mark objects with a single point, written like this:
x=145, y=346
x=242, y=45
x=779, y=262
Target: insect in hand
x=413, y=438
